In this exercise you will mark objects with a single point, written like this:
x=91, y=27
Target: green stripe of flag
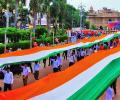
x=94, y=88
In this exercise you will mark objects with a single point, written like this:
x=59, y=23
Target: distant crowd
x=73, y=36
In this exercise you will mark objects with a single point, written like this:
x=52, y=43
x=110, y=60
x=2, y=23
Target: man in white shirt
x=71, y=59
x=36, y=70
x=75, y=37
x=8, y=79
x=97, y=47
x=59, y=62
x=55, y=64
x=89, y=51
x=72, y=38
x=82, y=54
x=25, y=73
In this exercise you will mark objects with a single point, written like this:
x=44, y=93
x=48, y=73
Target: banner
x=114, y=25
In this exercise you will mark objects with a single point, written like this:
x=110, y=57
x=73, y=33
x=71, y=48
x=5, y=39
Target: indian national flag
x=85, y=80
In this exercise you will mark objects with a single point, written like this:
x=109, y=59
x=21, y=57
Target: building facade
x=102, y=17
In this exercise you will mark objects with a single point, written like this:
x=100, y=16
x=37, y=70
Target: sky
x=97, y=4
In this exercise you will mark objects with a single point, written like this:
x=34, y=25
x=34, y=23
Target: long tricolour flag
x=85, y=80
x=39, y=53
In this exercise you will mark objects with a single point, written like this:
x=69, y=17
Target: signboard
x=114, y=25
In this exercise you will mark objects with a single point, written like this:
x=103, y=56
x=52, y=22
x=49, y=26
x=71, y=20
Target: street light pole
x=16, y=12
x=53, y=39
x=30, y=39
x=7, y=25
x=81, y=15
x=30, y=27
x=51, y=3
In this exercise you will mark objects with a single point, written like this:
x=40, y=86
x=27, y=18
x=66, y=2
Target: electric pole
x=81, y=15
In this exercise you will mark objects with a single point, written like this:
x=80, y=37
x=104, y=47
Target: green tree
x=16, y=11
x=10, y=2
x=70, y=11
x=46, y=9
x=62, y=13
x=87, y=24
x=93, y=27
x=55, y=12
x=36, y=6
x=76, y=18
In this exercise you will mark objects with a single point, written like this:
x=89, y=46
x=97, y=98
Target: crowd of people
x=56, y=62
x=73, y=36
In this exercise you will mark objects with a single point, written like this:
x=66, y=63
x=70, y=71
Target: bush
x=1, y=48
x=21, y=44
x=48, y=40
x=63, y=38
x=39, y=41
x=40, y=30
x=2, y=31
x=24, y=44
x=60, y=32
x=21, y=38
x=14, y=35
x=93, y=27
x=24, y=34
x=15, y=46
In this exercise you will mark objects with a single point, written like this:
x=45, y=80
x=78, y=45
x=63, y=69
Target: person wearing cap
x=36, y=70
x=8, y=79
